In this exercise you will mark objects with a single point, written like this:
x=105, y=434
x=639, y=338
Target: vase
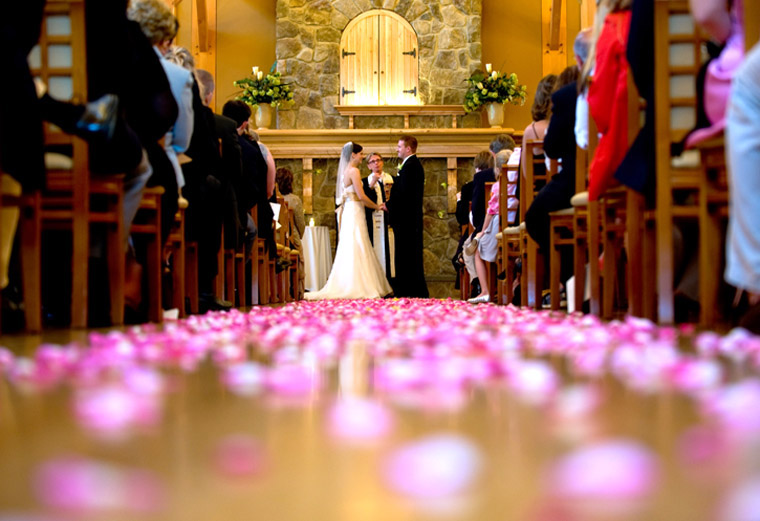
x=495, y=113
x=263, y=115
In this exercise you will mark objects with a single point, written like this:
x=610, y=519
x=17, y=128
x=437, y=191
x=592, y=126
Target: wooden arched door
x=379, y=60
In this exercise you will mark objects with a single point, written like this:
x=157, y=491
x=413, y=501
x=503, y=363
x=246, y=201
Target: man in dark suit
x=374, y=187
x=405, y=212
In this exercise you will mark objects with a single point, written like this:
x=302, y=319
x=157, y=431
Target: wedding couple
x=356, y=272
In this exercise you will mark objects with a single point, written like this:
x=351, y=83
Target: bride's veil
x=345, y=159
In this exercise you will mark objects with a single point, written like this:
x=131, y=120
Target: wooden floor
x=292, y=466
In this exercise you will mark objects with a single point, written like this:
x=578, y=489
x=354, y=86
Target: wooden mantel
x=401, y=110
x=447, y=143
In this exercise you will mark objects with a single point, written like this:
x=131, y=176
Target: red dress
x=608, y=101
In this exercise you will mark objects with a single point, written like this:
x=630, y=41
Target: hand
x=383, y=207
x=479, y=235
x=459, y=196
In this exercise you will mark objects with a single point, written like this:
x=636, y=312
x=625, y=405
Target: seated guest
x=743, y=148
x=483, y=165
x=235, y=215
x=284, y=178
x=723, y=20
x=608, y=96
x=203, y=190
x=253, y=189
x=500, y=142
x=540, y=112
x=559, y=143
x=487, y=242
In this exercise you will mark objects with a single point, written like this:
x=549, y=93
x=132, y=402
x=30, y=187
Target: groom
x=405, y=213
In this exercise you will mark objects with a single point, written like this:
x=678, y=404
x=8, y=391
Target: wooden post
x=308, y=204
x=451, y=163
x=553, y=36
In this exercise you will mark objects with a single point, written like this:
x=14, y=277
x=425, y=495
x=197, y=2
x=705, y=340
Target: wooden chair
x=177, y=245
x=192, y=291
x=677, y=61
x=464, y=275
x=295, y=259
x=531, y=284
x=509, y=237
x=72, y=200
x=147, y=226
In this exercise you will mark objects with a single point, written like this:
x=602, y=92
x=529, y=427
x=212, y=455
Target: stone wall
x=308, y=53
x=441, y=231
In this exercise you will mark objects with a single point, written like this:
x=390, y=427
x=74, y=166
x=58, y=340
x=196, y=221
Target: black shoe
x=208, y=302
x=99, y=118
x=474, y=287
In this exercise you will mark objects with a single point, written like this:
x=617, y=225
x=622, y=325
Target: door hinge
x=412, y=53
x=347, y=53
x=413, y=91
x=344, y=92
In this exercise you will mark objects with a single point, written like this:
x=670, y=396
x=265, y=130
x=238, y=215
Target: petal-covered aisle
x=384, y=410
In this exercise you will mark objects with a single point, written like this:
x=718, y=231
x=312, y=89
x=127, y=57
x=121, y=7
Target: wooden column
x=204, y=37
x=553, y=36
x=451, y=164
x=308, y=206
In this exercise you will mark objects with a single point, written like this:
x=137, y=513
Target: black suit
x=231, y=171
x=479, y=197
x=371, y=222
x=559, y=143
x=405, y=212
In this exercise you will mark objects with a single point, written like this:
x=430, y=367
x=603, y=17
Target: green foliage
x=493, y=88
x=265, y=88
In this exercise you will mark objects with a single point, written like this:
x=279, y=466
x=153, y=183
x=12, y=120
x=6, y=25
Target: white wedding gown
x=356, y=272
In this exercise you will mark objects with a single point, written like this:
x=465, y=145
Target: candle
x=311, y=221
x=488, y=68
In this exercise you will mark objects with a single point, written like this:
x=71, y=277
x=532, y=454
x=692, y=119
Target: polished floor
x=381, y=410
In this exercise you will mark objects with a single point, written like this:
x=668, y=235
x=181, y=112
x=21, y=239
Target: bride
x=356, y=272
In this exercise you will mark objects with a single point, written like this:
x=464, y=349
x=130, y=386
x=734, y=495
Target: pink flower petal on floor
x=612, y=470
x=743, y=503
x=240, y=456
x=80, y=485
x=358, y=420
x=434, y=467
x=244, y=379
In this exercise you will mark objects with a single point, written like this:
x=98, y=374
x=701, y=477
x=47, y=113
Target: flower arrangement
x=493, y=87
x=261, y=88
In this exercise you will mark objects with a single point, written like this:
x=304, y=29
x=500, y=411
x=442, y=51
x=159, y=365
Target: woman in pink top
x=724, y=22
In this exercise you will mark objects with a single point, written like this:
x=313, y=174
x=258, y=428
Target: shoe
x=471, y=247
x=99, y=118
x=474, y=287
x=208, y=302
x=483, y=299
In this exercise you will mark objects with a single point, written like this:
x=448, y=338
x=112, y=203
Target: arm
x=271, y=170
x=353, y=174
x=183, y=127
x=581, y=121
x=713, y=16
x=601, y=91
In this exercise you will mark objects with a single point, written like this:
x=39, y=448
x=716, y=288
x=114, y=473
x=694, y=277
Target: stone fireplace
x=308, y=53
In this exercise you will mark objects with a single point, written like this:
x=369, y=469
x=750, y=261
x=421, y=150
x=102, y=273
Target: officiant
x=377, y=221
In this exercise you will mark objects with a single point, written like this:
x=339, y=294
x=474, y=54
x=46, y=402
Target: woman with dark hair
x=356, y=272
x=284, y=179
